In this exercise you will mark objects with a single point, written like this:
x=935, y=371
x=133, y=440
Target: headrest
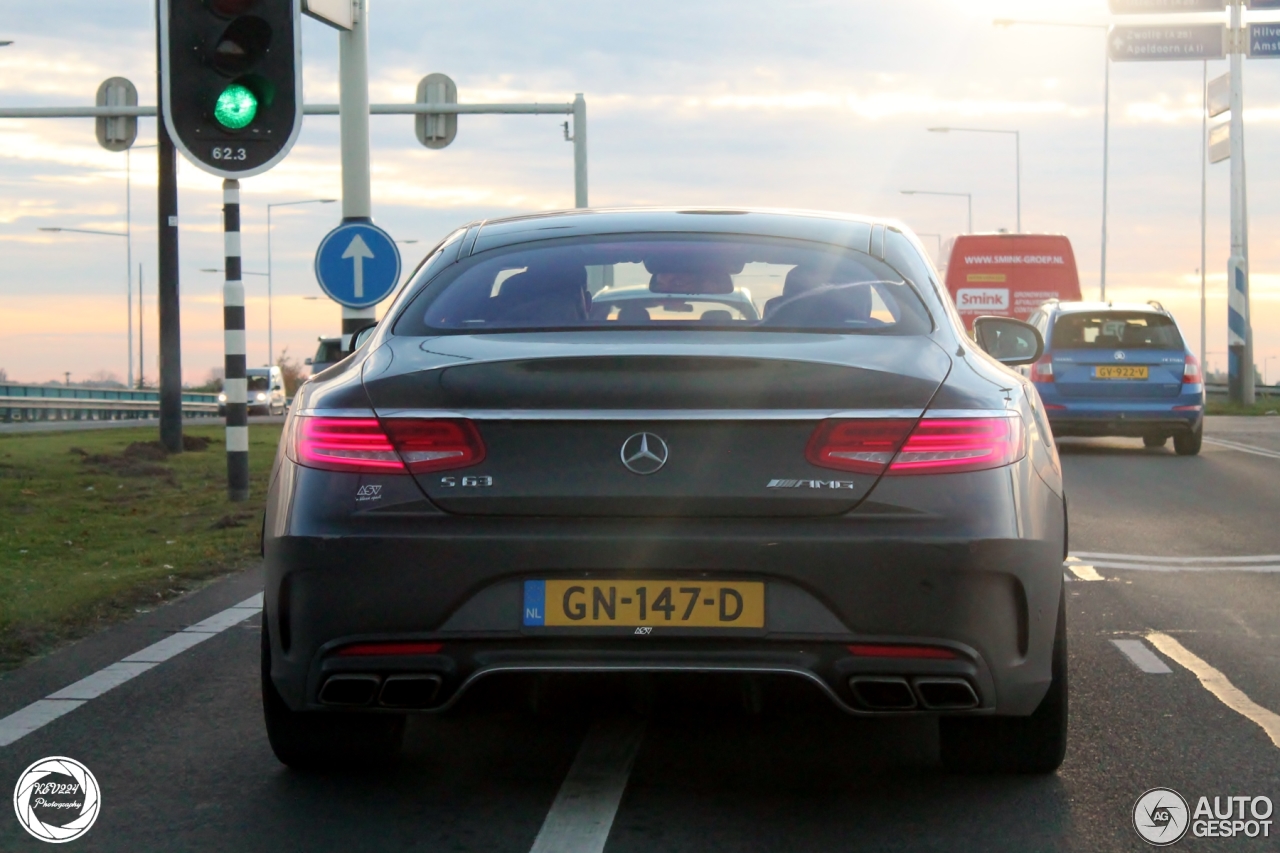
x=691, y=283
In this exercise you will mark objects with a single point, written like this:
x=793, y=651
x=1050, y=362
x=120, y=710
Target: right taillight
x=902, y=447
x=1042, y=370
x=1191, y=374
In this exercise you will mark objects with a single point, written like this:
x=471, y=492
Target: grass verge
x=1264, y=406
x=100, y=525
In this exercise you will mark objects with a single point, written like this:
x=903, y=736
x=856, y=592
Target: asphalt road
x=183, y=762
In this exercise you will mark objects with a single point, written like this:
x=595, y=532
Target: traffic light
x=231, y=75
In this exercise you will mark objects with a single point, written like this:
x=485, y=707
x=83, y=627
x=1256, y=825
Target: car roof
x=836, y=228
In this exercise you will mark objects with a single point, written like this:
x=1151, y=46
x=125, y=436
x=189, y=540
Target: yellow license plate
x=641, y=603
x=1119, y=371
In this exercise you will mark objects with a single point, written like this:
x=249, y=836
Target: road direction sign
x=357, y=264
x=339, y=14
x=1142, y=7
x=1168, y=42
x=1220, y=142
x=1264, y=4
x=1264, y=41
x=1219, y=95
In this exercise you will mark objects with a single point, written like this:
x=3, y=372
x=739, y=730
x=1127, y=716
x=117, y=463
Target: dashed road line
x=1142, y=657
x=1219, y=685
x=1265, y=563
x=40, y=713
x=1243, y=448
x=1085, y=572
x=583, y=811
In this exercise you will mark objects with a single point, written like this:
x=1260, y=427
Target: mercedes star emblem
x=644, y=453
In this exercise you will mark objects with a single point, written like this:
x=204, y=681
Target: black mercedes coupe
x=740, y=443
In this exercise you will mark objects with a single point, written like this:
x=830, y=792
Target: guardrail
x=82, y=403
x=1218, y=391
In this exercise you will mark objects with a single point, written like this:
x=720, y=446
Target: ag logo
x=56, y=799
x=1161, y=817
x=369, y=493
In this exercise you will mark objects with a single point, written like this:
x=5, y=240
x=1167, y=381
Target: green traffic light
x=236, y=107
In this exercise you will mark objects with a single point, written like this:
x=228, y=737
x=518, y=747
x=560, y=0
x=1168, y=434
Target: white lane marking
x=1218, y=684
x=93, y=686
x=1139, y=558
x=583, y=811
x=1268, y=563
x=1186, y=567
x=174, y=644
x=1243, y=448
x=1085, y=572
x=26, y=720
x=1141, y=656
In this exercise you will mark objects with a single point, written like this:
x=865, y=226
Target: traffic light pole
x=353, y=119
x=170, y=328
x=234, y=385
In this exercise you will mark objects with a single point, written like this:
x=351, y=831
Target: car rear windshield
x=668, y=282
x=1116, y=330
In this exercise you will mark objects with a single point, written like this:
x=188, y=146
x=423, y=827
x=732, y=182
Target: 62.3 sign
x=226, y=152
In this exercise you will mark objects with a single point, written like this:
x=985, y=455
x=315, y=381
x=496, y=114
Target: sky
x=811, y=104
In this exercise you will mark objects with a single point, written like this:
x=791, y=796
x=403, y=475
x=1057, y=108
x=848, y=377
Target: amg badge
x=811, y=484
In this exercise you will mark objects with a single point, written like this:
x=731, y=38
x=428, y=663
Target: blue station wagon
x=1118, y=369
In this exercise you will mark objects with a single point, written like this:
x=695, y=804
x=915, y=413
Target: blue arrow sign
x=358, y=264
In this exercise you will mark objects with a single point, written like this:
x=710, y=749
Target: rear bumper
x=1168, y=417
x=831, y=582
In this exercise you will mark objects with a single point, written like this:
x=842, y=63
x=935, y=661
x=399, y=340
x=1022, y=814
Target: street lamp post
x=968, y=196
x=128, y=236
x=1106, y=121
x=937, y=237
x=1017, y=149
x=271, y=343
x=128, y=279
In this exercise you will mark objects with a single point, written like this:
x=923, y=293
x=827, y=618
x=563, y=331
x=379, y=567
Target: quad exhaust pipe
x=402, y=690
x=895, y=693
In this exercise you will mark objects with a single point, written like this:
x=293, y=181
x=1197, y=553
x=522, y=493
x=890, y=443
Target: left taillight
x=900, y=447
x=396, y=446
x=352, y=445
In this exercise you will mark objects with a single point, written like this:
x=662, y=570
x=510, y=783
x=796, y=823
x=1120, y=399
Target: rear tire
x=312, y=741
x=1189, y=444
x=1154, y=440
x=1034, y=745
